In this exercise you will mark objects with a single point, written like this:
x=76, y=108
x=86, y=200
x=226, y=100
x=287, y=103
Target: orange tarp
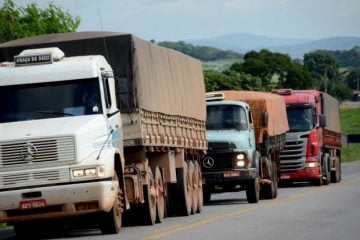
x=260, y=102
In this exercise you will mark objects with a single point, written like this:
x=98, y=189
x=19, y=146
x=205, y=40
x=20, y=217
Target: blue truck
x=245, y=132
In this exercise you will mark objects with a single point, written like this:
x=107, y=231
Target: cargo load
x=161, y=91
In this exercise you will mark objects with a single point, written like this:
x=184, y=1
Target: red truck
x=313, y=143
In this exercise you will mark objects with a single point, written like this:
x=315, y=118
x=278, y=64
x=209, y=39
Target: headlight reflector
x=311, y=164
x=240, y=156
x=240, y=163
x=98, y=171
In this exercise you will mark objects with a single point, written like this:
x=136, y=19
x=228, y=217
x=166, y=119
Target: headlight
x=240, y=163
x=312, y=164
x=240, y=160
x=240, y=156
x=98, y=171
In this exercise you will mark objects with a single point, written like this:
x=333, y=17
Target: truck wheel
x=336, y=175
x=193, y=183
x=326, y=171
x=253, y=190
x=147, y=211
x=160, y=195
x=110, y=222
x=199, y=187
x=269, y=191
x=207, y=193
x=184, y=191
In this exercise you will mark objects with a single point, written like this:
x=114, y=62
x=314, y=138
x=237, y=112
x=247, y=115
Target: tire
x=253, y=190
x=207, y=193
x=160, y=195
x=183, y=191
x=336, y=175
x=111, y=221
x=199, y=186
x=193, y=184
x=270, y=191
x=147, y=211
x=326, y=171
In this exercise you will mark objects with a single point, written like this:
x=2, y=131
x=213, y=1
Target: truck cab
x=232, y=159
x=313, y=142
x=60, y=140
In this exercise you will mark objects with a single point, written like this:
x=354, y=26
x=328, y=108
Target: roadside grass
x=351, y=153
x=350, y=124
x=350, y=120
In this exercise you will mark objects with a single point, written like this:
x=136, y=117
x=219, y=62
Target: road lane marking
x=216, y=217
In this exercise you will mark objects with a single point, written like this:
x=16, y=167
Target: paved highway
x=302, y=212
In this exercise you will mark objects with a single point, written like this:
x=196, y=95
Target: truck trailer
x=245, y=133
x=313, y=144
x=103, y=126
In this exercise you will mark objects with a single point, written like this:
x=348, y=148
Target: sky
x=175, y=20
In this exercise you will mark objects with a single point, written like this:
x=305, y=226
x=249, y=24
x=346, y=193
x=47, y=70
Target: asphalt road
x=300, y=212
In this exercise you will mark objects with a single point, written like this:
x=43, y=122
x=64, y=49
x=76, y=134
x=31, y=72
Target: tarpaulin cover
x=260, y=102
x=331, y=111
x=152, y=78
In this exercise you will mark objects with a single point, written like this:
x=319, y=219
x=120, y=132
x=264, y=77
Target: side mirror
x=322, y=120
x=265, y=119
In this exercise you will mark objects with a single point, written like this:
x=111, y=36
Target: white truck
x=101, y=126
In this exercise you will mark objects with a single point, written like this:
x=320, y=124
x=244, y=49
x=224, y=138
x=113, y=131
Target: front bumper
x=61, y=201
x=306, y=174
x=226, y=176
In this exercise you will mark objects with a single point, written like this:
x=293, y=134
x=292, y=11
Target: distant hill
x=296, y=48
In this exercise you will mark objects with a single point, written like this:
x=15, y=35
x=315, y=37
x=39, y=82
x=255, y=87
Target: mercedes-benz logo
x=208, y=162
x=28, y=152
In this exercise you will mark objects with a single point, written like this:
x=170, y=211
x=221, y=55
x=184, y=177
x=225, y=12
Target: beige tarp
x=331, y=111
x=168, y=81
x=259, y=102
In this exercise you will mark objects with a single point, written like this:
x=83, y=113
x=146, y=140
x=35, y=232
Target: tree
x=326, y=71
x=323, y=66
x=230, y=80
x=274, y=70
x=19, y=22
x=353, y=79
x=297, y=77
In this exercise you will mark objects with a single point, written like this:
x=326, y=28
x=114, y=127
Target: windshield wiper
x=55, y=113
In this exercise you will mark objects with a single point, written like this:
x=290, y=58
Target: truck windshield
x=225, y=117
x=300, y=119
x=49, y=100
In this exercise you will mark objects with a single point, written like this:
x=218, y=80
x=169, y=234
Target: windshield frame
x=44, y=100
x=301, y=117
x=232, y=119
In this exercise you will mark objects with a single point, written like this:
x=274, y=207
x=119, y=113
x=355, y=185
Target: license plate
x=30, y=204
x=284, y=177
x=231, y=174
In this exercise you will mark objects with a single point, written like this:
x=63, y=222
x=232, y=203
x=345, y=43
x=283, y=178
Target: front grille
x=43, y=150
x=222, y=154
x=36, y=162
x=35, y=177
x=292, y=157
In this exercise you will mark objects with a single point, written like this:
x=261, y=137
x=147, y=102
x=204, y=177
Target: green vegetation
x=3, y=225
x=202, y=53
x=350, y=123
x=351, y=153
x=350, y=58
x=19, y=22
x=350, y=120
x=220, y=65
